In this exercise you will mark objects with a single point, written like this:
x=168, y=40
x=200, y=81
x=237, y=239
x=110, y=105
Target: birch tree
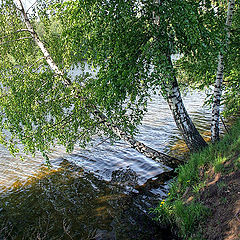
x=41, y=105
x=49, y=105
x=199, y=71
x=219, y=79
x=133, y=52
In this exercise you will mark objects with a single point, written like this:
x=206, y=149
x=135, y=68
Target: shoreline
x=204, y=198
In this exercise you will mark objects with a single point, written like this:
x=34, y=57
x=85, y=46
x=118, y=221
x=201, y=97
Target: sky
x=28, y=3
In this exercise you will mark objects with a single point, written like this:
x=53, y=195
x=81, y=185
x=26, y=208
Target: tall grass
x=184, y=215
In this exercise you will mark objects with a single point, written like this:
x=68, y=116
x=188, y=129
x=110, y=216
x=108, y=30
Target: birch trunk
x=219, y=79
x=140, y=147
x=192, y=137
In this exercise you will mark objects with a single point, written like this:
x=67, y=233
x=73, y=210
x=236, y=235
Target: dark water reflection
x=70, y=203
x=93, y=193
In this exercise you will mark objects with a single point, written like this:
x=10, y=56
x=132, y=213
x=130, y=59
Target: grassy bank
x=204, y=199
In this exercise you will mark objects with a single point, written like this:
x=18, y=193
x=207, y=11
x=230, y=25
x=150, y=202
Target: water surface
x=94, y=193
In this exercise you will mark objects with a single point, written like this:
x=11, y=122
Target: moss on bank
x=206, y=184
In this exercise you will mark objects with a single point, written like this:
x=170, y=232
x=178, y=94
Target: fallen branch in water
x=160, y=180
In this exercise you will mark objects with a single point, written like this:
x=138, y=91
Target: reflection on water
x=70, y=203
x=93, y=193
x=158, y=130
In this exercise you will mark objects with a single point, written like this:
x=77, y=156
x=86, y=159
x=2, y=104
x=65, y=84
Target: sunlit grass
x=182, y=213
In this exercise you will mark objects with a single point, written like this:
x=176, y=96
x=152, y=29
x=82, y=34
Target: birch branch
x=140, y=147
x=31, y=6
x=20, y=30
x=19, y=39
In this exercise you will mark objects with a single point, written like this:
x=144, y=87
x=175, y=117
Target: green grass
x=237, y=163
x=222, y=185
x=197, y=187
x=175, y=211
x=181, y=217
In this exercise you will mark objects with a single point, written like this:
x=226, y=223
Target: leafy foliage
x=185, y=218
x=36, y=106
x=129, y=45
x=200, y=71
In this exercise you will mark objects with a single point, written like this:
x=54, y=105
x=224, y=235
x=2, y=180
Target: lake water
x=93, y=193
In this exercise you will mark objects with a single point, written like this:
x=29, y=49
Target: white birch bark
x=140, y=147
x=219, y=79
x=192, y=137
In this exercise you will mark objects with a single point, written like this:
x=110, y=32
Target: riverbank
x=204, y=199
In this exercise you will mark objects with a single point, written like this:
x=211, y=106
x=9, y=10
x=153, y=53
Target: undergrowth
x=181, y=209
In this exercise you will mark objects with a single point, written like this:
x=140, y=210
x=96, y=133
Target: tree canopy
x=129, y=42
x=200, y=72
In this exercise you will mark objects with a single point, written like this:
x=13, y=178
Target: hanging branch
x=20, y=30
x=140, y=147
x=224, y=124
x=36, y=62
x=19, y=39
x=31, y=6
